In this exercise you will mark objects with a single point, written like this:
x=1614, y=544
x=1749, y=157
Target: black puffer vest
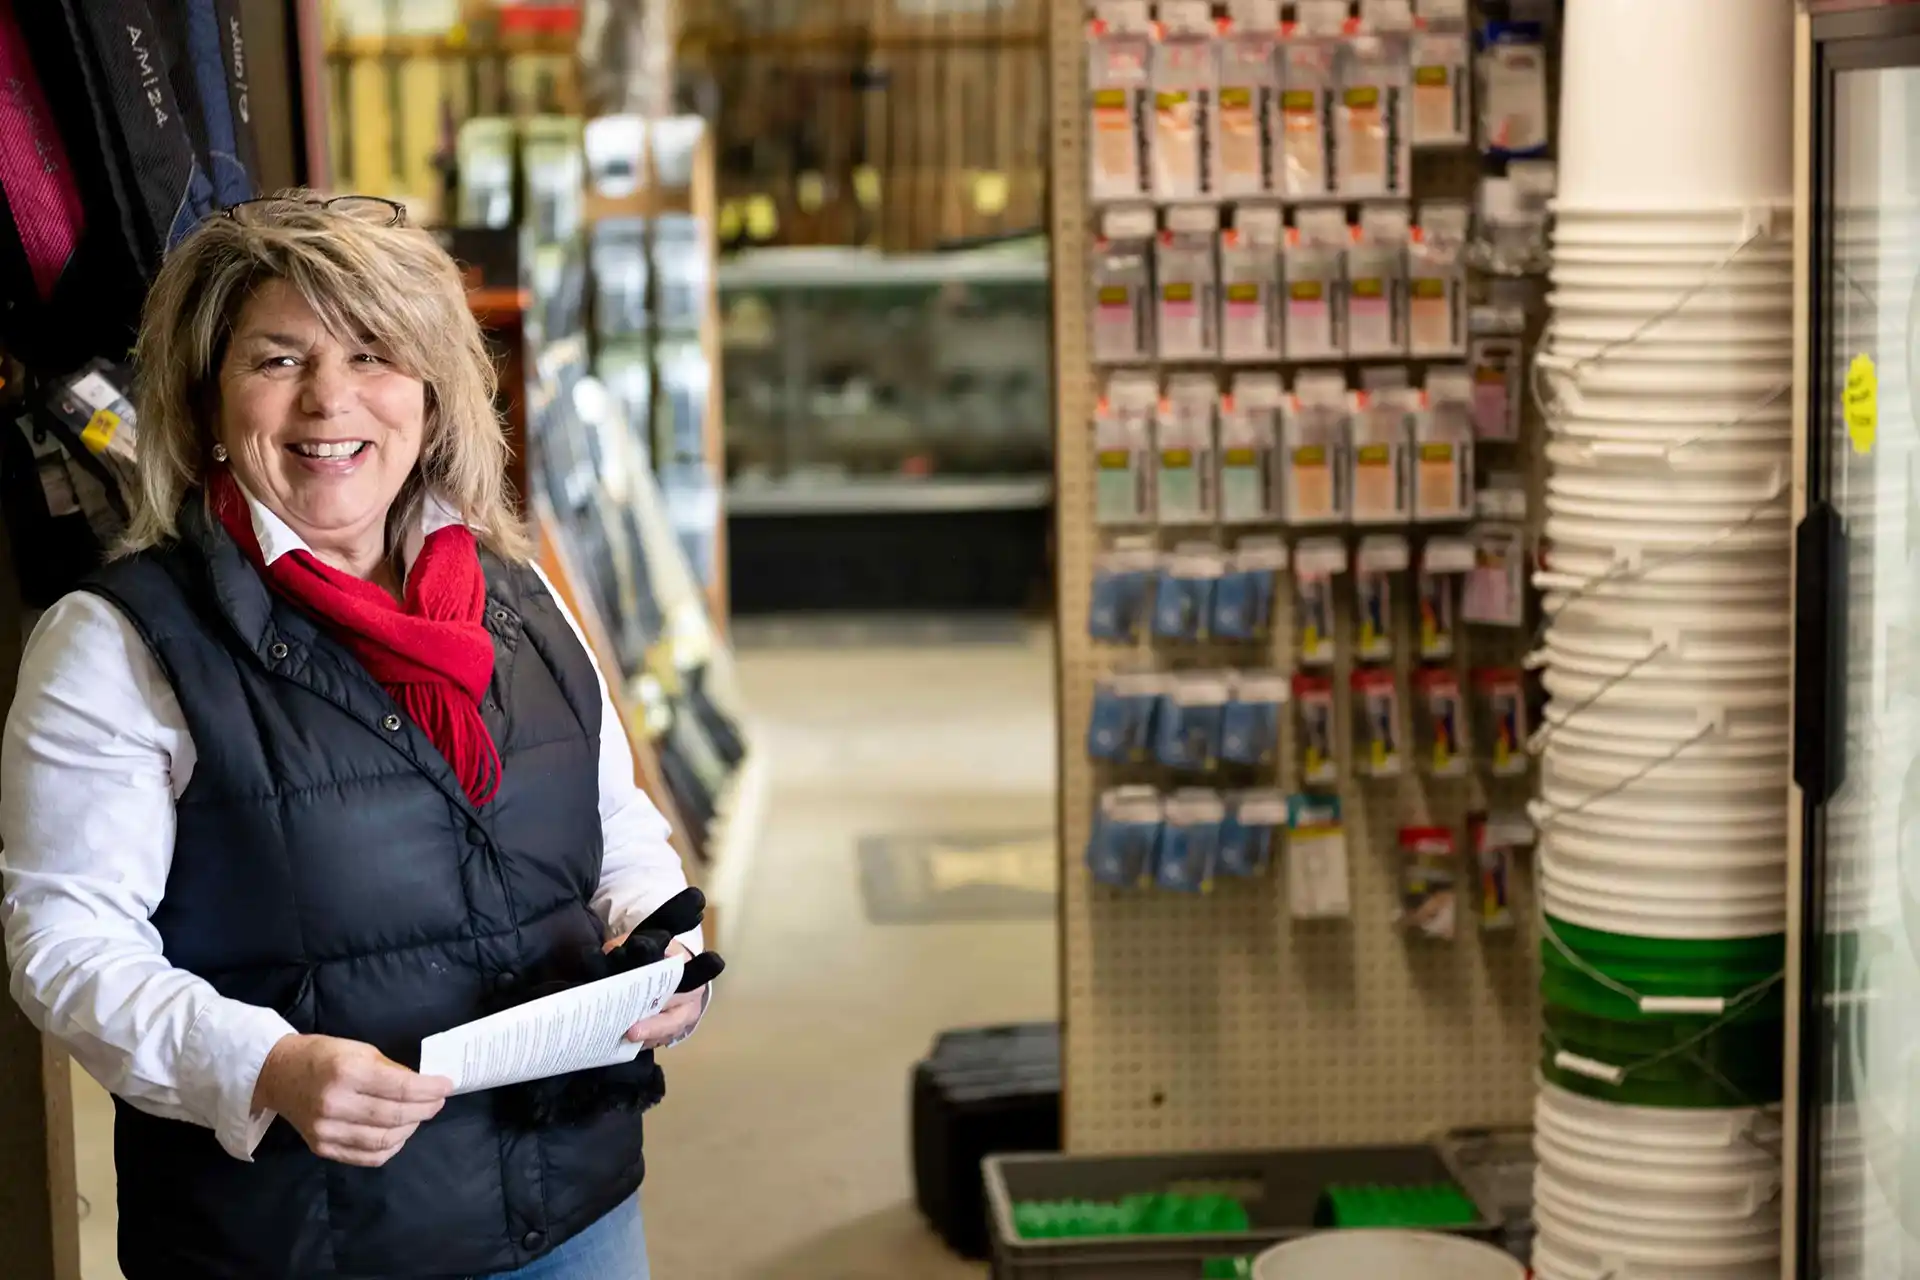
x=328, y=865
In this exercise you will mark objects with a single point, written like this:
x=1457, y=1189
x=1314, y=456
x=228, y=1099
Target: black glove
x=579, y=1096
x=648, y=942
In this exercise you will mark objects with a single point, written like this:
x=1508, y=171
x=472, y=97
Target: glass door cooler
x=1856, y=1174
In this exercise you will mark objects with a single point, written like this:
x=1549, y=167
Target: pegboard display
x=1219, y=1019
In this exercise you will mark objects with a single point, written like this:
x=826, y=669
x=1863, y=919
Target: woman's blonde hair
x=393, y=284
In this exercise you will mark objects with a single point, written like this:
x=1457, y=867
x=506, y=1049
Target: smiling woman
x=318, y=768
x=310, y=311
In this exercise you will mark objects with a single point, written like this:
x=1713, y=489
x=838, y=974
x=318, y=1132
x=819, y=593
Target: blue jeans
x=614, y=1248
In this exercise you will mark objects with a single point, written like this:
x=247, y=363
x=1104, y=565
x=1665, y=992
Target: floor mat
x=927, y=878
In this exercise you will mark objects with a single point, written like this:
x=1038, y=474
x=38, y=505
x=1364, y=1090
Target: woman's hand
x=676, y=1016
x=349, y=1101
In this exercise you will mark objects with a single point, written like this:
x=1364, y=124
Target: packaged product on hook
x=1493, y=875
x=1495, y=590
x=1123, y=450
x=1249, y=89
x=1184, y=77
x=1319, y=741
x=1441, y=53
x=1309, y=76
x=1246, y=837
x=1379, y=561
x=1187, y=285
x=1443, y=720
x=1317, y=878
x=621, y=265
x=1122, y=716
x=1514, y=212
x=1382, y=484
x=1184, y=432
x=1443, y=477
x=1495, y=839
x=1126, y=832
x=1376, y=704
x=1187, y=725
x=1119, y=66
x=1437, y=281
x=1372, y=153
x=1183, y=598
x=1313, y=605
x=1428, y=882
x=1250, y=727
x=1250, y=285
x=1249, y=486
x=1314, y=261
x=1497, y=367
x=1316, y=562
x=1120, y=725
x=1189, y=841
x=1449, y=397
x=1377, y=283
x=1122, y=320
x=1243, y=602
x=1122, y=582
x=1442, y=562
x=1503, y=697
x=1513, y=90
x=1314, y=445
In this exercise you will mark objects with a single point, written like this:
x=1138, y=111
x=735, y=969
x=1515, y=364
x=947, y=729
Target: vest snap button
x=507, y=981
x=501, y=615
x=533, y=1240
x=279, y=652
x=391, y=724
x=475, y=835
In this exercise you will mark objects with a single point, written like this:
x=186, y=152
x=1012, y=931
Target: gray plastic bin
x=1280, y=1190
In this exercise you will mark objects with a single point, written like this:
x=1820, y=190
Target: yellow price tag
x=1860, y=403
x=763, y=217
x=810, y=192
x=99, y=430
x=990, y=194
x=730, y=220
x=866, y=186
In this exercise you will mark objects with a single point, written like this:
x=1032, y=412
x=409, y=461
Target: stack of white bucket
x=1666, y=377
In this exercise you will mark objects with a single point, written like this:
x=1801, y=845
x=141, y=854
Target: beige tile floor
x=781, y=1151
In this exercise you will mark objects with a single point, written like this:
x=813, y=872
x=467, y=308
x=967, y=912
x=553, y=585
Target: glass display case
x=1857, y=660
x=856, y=382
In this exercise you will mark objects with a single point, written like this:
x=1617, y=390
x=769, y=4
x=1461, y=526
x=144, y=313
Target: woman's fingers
x=380, y=1113
x=675, y=1016
x=342, y=1135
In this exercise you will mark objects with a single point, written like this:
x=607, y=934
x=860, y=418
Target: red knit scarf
x=432, y=653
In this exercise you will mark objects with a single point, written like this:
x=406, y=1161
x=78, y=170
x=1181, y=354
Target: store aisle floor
x=781, y=1151
x=782, y=1148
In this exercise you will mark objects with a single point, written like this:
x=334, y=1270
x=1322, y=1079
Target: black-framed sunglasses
x=373, y=209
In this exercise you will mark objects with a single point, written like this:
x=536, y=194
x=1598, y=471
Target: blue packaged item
x=1122, y=579
x=1126, y=833
x=1120, y=726
x=1250, y=725
x=1236, y=607
x=1247, y=832
x=1189, y=847
x=1183, y=597
x=1187, y=723
x=1243, y=602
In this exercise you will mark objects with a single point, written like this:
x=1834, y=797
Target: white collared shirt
x=95, y=753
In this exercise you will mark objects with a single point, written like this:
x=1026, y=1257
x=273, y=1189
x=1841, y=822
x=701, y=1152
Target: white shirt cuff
x=225, y=1049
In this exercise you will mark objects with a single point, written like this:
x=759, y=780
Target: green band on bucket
x=1767, y=951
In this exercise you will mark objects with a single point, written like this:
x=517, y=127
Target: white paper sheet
x=571, y=1031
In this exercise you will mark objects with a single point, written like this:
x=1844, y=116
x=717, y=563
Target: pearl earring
x=219, y=453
